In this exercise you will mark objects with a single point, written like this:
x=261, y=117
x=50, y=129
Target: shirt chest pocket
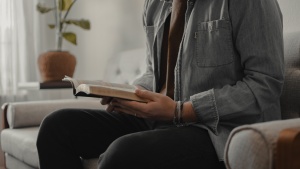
x=214, y=45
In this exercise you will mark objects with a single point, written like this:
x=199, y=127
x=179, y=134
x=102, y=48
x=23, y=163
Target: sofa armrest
x=254, y=146
x=31, y=113
x=288, y=149
x=4, y=115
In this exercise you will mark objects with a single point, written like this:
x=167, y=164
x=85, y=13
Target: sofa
x=21, y=120
x=273, y=144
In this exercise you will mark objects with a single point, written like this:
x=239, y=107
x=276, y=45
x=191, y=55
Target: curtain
x=9, y=53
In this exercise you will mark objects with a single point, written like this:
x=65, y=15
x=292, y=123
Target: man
x=212, y=65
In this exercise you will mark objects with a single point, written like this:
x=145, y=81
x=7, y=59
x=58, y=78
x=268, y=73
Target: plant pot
x=54, y=65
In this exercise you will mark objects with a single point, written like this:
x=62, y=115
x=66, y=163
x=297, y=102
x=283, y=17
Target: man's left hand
x=159, y=107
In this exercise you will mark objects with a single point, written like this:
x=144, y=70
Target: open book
x=100, y=89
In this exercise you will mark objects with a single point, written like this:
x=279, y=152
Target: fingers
x=106, y=100
x=125, y=106
x=114, y=104
x=145, y=94
x=110, y=108
x=130, y=105
x=129, y=111
x=160, y=108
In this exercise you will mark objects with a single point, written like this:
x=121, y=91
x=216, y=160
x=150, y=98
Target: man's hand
x=160, y=107
x=107, y=101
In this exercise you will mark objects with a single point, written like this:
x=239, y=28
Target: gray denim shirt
x=230, y=63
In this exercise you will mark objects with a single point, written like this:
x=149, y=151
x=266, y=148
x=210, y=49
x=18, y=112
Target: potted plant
x=54, y=65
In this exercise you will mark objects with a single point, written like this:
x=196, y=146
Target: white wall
x=116, y=25
x=291, y=12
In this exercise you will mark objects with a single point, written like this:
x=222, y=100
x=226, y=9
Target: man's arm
x=257, y=36
x=146, y=80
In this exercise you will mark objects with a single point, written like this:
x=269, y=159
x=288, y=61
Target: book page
x=99, y=88
x=114, y=86
x=76, y=83
x=109, y=90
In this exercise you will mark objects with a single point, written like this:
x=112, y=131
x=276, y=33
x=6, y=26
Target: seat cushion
x=13, y=163
x=21, y=144
x=20, y=147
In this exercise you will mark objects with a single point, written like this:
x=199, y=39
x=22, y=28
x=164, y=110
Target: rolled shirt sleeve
x=205, y=104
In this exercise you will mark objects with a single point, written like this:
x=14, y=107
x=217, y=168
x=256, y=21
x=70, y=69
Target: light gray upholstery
x=253, y=146
x=27, y=114
x=21, y=144
x=15, y=163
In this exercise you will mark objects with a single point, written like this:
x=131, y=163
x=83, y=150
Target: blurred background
x=116, y=26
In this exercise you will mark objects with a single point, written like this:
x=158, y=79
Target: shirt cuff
x=204, y=105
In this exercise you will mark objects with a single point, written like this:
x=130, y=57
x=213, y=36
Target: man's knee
x=52, y=124
x=54, y=119
x=123, y=152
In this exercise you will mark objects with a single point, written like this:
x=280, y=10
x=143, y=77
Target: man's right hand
x=107, y=101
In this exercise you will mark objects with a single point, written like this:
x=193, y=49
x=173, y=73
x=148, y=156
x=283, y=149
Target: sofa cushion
x=21, y=151
x=252, y=146
x=30, y=114
x=13, y=163
x=21, y=144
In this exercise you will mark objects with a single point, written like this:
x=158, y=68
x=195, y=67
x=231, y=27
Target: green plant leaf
x=64, y=5
x=70, y=36
x=51, y=26
x=43, y=9
x=83, y=23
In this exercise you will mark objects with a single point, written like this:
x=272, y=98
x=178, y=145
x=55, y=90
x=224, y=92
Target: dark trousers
x=121, y=141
